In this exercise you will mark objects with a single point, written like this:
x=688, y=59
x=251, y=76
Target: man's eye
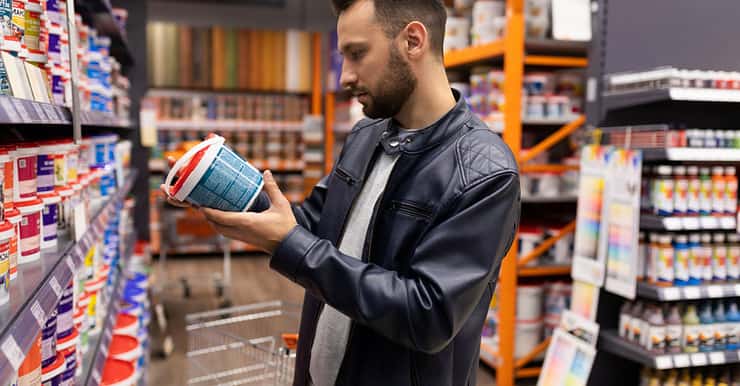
x=356, y=55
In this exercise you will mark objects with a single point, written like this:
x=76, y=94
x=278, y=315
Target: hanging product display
x=620, y=221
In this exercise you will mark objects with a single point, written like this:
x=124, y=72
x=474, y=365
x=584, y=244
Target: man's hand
x=264, y=230
x=171, y=200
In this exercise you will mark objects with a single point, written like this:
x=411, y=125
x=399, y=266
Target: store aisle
x=252, y=282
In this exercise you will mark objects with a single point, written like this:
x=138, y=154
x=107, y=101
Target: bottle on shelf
x=718, y=190
x=705, y=192
x=706, y=329
x=693, y=199
x=696, y=263
x=673, y=329
x=719, y=257
x=656, y=342
x=706, y=257
x=665, y=261
x=636, y=323
x=733, y=322
x=681, y=194
x=664, y=189
x=733, y=256
x=730, y=190
x=682, y=264
x=691, y=329
x=624, y=319
x=720, y=327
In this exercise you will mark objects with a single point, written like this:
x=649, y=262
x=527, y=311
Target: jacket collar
x=394, y=140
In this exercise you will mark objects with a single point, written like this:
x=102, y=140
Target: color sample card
x=584, y=300
x=587, y=266
x=568, y=361
x=620, y=222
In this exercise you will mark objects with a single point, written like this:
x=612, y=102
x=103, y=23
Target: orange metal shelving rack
x=515, y=52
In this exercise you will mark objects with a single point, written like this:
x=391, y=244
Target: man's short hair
x=394, y=15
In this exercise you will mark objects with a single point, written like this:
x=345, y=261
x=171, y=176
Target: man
x=398, y=248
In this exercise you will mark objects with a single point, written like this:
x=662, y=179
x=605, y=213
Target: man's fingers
x=273, y=191
x=226, y=218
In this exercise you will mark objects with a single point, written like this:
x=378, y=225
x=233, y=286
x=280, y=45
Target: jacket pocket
x=344, y=176
x=411, y=209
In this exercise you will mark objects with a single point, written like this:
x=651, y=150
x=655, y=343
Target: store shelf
x=99, y=14
x=611, y=342
x=488, y=354
x=548, y=121
x=625, y=99
x=707, y=291
x=659, y=223
x=539, y=52
x=94, y=360
x=164, y=92
x=28, y=112
x=39, y=286
x=544, y=270
x=550, y=200
x=229, y=125
x=689, y=154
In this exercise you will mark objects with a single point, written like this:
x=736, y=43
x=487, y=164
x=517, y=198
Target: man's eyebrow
x=348, y=46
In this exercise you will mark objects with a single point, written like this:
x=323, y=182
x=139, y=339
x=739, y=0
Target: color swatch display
x=228, y=58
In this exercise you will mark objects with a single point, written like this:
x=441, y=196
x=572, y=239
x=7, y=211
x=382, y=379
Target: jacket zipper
x=344, y=176
x=410, y=209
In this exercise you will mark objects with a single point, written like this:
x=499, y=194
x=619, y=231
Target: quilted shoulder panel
x=482, y=153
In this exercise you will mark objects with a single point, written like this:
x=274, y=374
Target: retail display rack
x=518, y=54
x=671, y=36
x=40, y=287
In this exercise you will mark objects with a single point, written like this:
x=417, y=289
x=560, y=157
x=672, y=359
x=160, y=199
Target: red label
x=30, y=230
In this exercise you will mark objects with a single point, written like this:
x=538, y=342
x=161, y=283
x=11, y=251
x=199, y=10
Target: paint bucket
x=29, y=240
x=125, y=348
x=118, y=373
x=49, y=220
x=68, y=348
x=7, y=161
x=25, y=171
x=127, y=325
x=29, y=373
x=65, y=195
x=51, y=375
x=7, y=232
x=528, y=336
x=529, y=302
x=33, y=31
x=13, y=216
x=45, y=168
x=4, y=158
x=529, y=238
x=213, y=176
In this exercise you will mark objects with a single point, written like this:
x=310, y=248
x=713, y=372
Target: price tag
x=80, y=221
x=681, y=360
x=663, y=362
x=108, y=334
x=671, y=294
x=38, y=313
x=40, y=112
x=104, y=349
x=13, y=352
x=54, y=284
x=9, y=109
x=71, y=264
x=691, y=293
x=737, y=289
x=717, y=358
x=25, y=117
x=715, y=291
x=698, y=359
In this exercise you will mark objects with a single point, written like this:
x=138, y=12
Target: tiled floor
x=252, y=282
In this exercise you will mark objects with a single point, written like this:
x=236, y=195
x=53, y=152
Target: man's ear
x=416, y=39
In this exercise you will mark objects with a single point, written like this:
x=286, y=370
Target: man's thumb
x=272, y=189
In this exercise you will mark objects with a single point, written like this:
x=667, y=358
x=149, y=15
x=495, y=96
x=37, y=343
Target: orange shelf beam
x=472, y=55
x=530, y=372
x=329, y=133
x=553, y=139
x=523, y=361
x=554, y=270
x=547, y=244
x=537, y=168
x=555, y=61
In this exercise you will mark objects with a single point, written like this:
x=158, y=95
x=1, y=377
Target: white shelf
x=690, y=154
x=232, y=125
x=653, y=222
x=692, y=292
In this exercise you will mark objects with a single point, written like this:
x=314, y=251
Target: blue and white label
x=229, y=184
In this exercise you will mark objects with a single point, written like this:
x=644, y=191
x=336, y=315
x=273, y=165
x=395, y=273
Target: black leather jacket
x=419, y=296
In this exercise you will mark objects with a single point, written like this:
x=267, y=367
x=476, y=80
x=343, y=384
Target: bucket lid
x=117, y=373
x=125, y=322
x=12, y=214
x=55, y=369
x=68, y=342
x=123, y=345
x=31, y=206
x=79, y=314
x=94, y=285
x=7, y=231
x=187, y=165
x=50, y=198
x=64, y=191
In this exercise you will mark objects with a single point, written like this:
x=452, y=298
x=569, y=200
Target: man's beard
x=395, y=88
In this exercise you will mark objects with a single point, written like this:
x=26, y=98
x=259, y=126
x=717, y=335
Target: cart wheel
x=220, y=289
x=167, y=348
x=185, y=288
x=226, y=303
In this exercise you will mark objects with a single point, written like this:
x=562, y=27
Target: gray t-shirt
x=332, y=330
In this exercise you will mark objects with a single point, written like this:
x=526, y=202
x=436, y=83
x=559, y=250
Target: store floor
x=252, y=282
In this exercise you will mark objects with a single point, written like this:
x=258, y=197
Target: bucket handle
x=215, y=140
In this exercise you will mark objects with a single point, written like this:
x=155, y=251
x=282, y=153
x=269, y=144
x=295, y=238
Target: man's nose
x=348, y=78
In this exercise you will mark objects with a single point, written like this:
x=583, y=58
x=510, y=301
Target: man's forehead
x=357, y=23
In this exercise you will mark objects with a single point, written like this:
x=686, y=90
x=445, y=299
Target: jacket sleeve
x=449, y=270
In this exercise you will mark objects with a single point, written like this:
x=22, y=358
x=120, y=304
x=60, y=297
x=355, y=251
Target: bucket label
x=45, y=173
x=26, y=177
x=30, y=234
x=19, y=22
x=50, y=222
x=229, y=184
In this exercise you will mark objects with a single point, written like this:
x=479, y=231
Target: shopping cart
x=245, y=345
